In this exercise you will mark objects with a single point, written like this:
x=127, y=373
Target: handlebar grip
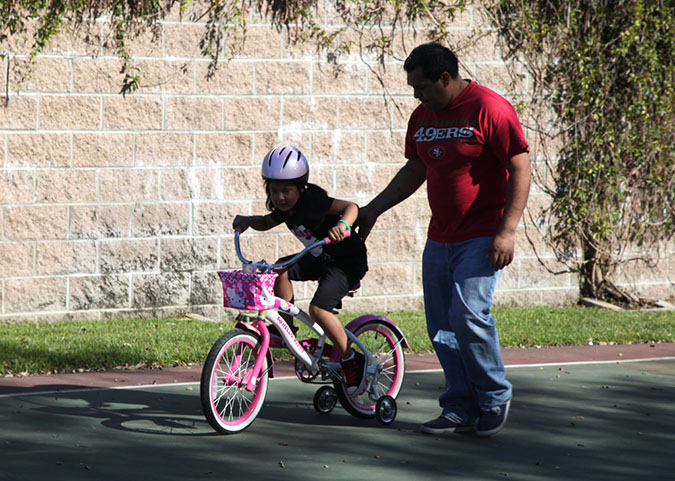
x=346, y=233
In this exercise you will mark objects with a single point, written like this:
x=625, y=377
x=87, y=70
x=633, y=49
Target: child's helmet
x=285, y=163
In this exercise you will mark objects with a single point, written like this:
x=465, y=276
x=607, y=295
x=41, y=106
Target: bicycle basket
x=245, y=291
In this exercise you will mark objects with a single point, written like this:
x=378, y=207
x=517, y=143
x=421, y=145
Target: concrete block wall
x=115, y=206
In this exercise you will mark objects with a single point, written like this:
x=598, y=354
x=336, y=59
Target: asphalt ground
x=591, y=413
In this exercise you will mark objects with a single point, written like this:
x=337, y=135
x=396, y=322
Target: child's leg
x=284, y=288
x=333, y=328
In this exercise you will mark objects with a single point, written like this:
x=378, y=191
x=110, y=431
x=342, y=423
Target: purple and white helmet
x=285, y=163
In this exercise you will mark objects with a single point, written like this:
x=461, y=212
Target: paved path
x=597, y=421
x=512, y=357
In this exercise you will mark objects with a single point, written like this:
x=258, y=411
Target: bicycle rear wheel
x=227, y=405
x=385, y=346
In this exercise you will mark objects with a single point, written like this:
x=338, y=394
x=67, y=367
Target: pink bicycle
x=236, y=373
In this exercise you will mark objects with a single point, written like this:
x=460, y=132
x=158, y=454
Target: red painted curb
x=414, y=362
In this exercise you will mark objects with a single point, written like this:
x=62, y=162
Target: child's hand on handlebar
x=241, y=222
x=337, y=233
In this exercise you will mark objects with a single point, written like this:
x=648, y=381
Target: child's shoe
x=354, y=373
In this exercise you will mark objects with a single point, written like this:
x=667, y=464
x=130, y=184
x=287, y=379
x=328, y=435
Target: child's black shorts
x=335, y=278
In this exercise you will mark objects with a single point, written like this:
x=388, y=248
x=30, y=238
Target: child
x=311, y=215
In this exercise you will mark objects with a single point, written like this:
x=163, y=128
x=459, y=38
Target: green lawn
x=32, y=348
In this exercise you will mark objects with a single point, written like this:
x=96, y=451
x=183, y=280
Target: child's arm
x=255, y=222
x=349, y=212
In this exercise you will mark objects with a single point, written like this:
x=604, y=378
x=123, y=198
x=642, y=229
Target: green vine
x=606, y=71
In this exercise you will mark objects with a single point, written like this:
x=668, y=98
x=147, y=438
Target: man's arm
x=503, y=244
x=404, y=184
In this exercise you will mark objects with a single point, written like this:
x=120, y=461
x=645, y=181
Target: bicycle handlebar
x=263, y=266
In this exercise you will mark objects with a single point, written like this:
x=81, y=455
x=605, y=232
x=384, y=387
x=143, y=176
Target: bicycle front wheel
x=227, y=405
x=385, y=345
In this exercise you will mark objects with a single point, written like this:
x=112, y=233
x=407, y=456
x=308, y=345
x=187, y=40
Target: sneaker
x=492, y=421
x=444, y=425
x=354, y=374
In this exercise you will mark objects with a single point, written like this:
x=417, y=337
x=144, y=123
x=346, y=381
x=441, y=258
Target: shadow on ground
x=592, y=422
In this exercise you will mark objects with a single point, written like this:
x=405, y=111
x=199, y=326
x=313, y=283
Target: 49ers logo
x=437, y=152
x=429, y=134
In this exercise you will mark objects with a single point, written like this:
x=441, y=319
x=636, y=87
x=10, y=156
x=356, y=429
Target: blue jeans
x=459, y=285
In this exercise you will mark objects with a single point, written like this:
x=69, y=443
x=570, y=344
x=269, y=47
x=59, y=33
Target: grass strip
x=71, y=346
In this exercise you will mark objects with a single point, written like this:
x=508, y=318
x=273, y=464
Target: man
x=467, y=143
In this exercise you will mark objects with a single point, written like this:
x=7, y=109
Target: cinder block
x=348, y=78
x=99, y=221
x=387, y=147
x=19, y=113
x=188, y=254
x=160, y=219
x=16, y=259
x=387, y=279
x=194, y=113
x=252, y=113
x=201, y=183
x=261, y=41
x=103, y=150
x=183, y=39
x=160, y=75
x=283, y=77
x=160, y=290
x=340, y=147
x=65, y=257
x=368, y=178
x=214, y=218
x=235, y=77
x=243, y=183
x=97, y=75
x=357, y=112
x=67, y=112
x=132, y=113
x=99, y=292
x=35, y=295
x=36, y=222
x=128, y=255
x=45, y=74
x=17, y=186
x=129, y=185
x=226, y=149
x=164, y=149
x=66, y=186
x=310, y=113
x=39, y=150
x=389, y=78
x=206, y=289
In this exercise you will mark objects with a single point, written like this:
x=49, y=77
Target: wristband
x=349, y=228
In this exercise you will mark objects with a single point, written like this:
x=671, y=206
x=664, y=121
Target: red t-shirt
x=466, y=148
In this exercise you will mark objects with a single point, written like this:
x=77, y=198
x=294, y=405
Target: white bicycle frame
x=310, y=361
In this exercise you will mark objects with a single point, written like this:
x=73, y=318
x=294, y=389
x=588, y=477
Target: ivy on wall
x=605, y=69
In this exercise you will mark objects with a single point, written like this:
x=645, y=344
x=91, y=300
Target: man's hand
x=501, y=250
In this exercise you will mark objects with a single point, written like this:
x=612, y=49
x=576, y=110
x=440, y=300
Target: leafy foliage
x=605, y=69
x=375, y=21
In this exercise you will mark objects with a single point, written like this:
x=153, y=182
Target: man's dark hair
x=434, y=59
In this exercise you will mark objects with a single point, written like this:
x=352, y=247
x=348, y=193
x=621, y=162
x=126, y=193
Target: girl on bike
x=311, y=214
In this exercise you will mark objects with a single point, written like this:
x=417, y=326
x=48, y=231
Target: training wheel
x=385, y=410
x=325, y=400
